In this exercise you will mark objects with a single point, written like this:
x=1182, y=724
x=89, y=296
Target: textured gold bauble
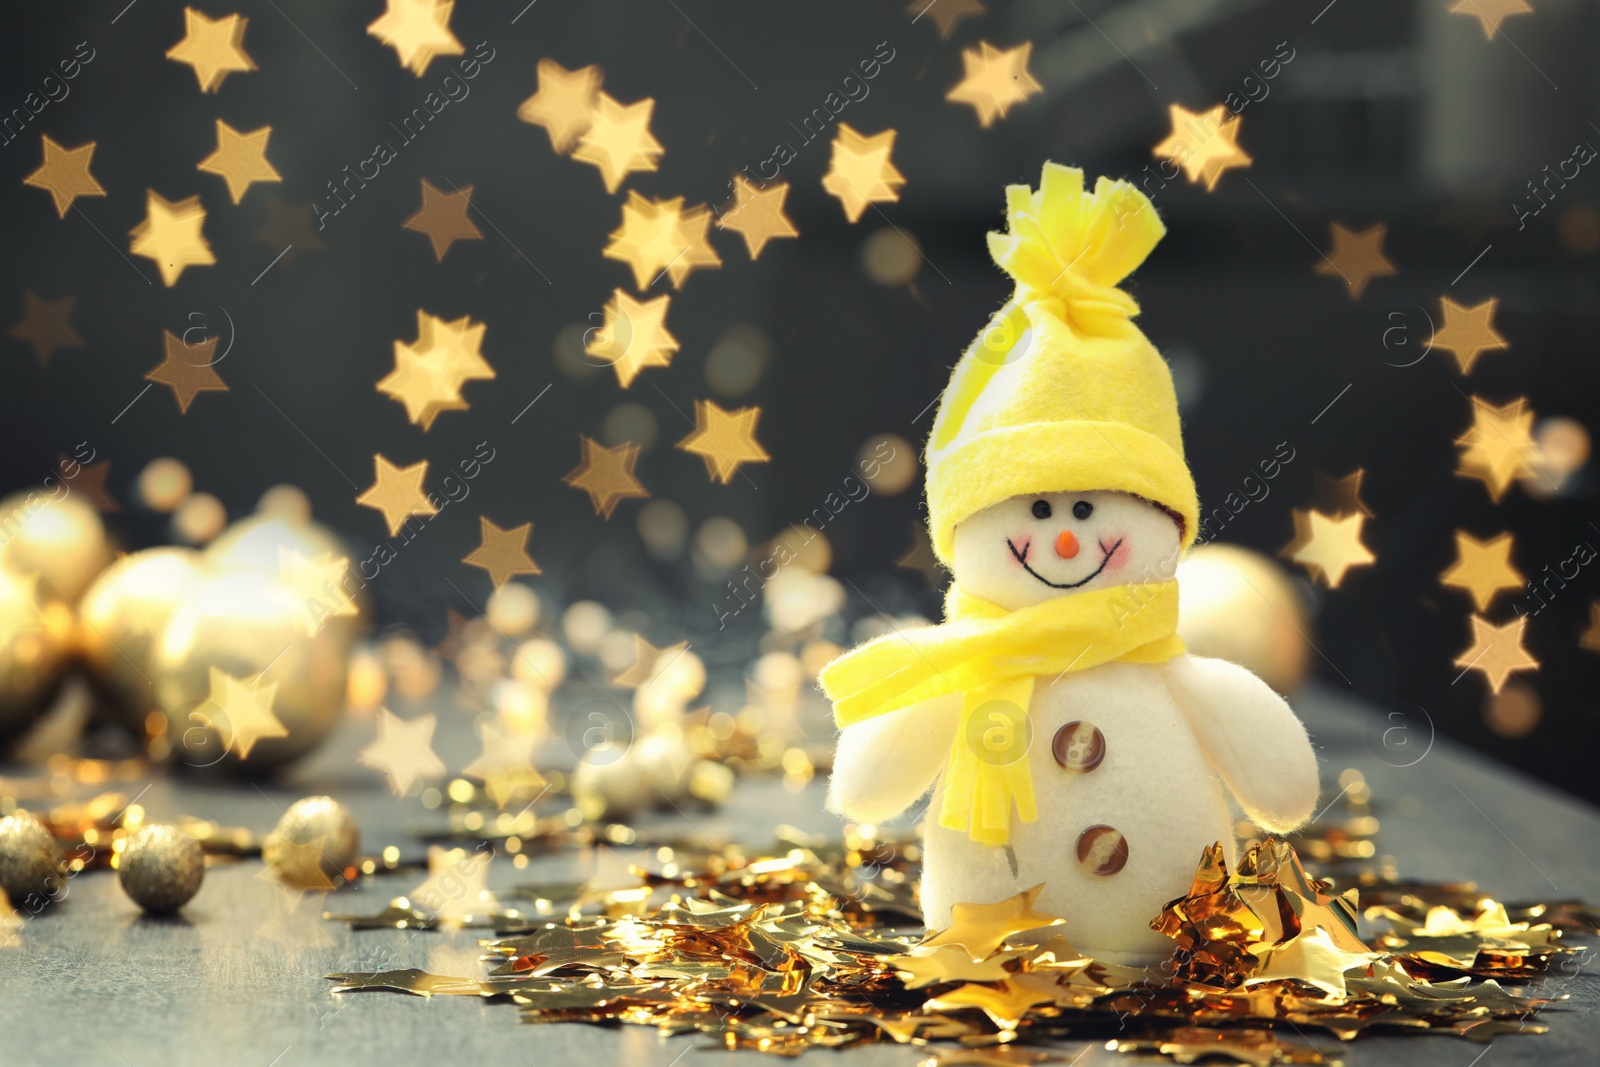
x=1240, y=606
x=61, y=540
x=35, y=641
x=161, y=868
x=314, y=842
x=30, y=861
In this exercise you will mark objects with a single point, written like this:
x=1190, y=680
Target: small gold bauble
x=122, y=619
x=62, y=540
x=35, y=639
x=161, y=867
x=313, y=843
x=1240, y=606
x=30, y=861
x=665, y=759
x=610, y=791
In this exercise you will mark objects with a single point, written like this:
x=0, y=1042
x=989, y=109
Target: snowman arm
x=1251, y=737
x=882, y=765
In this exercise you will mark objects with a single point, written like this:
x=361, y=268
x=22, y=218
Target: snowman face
x=1029, y=549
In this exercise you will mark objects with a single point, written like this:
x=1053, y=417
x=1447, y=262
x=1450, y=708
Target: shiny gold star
x=1340, y=496
x=1005, y=1002
x=1482, y=568
x=1490, y=13
x=287, y=229
x=443, y=217
x=421, y=381
x=1591, y=637
x=455, y=888
x=648, y=239
x=46, y=325
x=240, y=159
x=64, y=174
x=188, y=370
x=724, y=439
x=632, y=336
x=1468, y=332
x=1357, y=258
x=951, y=963
x=1499, y=447
x=606, y=474
x=994, y=80
x=398, y=492
x=1204, y=144
x=213, y=47
x=860, y=173
x=1496, y=651
x=461, y=343
x=505, y=766
x=618, y=140
x=171, y=235
x=1330, y=546
x=946, y=13
x=757, y=214
x=564, y=104
x=242, y=712
x=647, y=659
x=983, y=928
x=316, y=585
x=403, y=751
x=417, y=30
x=503, y=553
x=408, y=980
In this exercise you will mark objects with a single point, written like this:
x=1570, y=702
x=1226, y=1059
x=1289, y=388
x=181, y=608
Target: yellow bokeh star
x=171, y=235
x=633, y=335
x=618, y=140
x=241, y=712
x=1499, y=447
x=724, y=439
x=421, y=381
x=606, y=474
x=994, y=80
x=660, y=237
x=46, y=325
x=757, y=214
x=1357, y=258
x=315, y=585
x=860, y=173
x=398, y=492
x=459, y=340
x=1204, y=144
x=1329, y=546
x=1482, y=568
x=213, y=47
x=64, y=174
x=1490, y=13
x=403, y=751
x=1468, y=332
x=455, y=888
x=417, y=30
x=240, y=159
x=443, y=217
x=503, y=553
x=188, y=370
x=505, y=766
x=1496, y=651
x=564, y=104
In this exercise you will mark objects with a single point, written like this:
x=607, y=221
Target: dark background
x=1391, y=111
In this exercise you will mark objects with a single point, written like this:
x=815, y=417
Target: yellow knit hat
x=1061, y=391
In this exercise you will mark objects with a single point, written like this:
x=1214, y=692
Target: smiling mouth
x=1022, y=558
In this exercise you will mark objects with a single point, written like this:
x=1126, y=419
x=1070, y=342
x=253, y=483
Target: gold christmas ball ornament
x=261, y=542
x=161, y=868
x=665, y=760
x=313, y=843
x=35, y=640
x=122, y=618
x=30, y=860
x=61, y=539
x=1240, y=606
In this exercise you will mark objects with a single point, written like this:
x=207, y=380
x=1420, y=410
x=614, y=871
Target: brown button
x=1102, y=849
x=1079, y=746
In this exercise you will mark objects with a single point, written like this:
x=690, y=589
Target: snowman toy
x=1066, y=736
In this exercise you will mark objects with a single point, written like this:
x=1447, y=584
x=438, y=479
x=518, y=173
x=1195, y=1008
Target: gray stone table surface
x=238, y=979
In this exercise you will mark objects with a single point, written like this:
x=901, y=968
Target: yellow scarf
x=991, y=656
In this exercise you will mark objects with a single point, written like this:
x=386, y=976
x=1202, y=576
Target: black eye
x=1082, y=509
x=1041, y=509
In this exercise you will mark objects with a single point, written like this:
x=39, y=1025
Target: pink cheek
x=1022, y=543
x=1119, y=558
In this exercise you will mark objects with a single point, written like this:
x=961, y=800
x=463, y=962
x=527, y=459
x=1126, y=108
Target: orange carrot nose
x=1066, y=544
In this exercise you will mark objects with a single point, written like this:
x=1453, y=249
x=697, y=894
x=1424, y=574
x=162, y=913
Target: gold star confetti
x=564, y=104
x=1496, y=651
x=1490, y=13
x=1357, y=258
x=171, y=235
x=503, y=553
x=606, y=474
x=421, y=381
x=287, y=229
x=1468, y=332
x=1203, y=144
x=633, y=336
x=243, y=711
x=316, y=585
x=946, y=13
x=46, y=325
x=724, y=439
x=659, y=237
x=461, y=341
x=417, y=30
x=983, y=928
x=505, y=766
x=454, y=889
x=64, y=174
x=403, y=751
x=647, y=659
x=1482, y=568
x=1340, y=496
x=994, y=80
x=1591, y=637
x=443, y=217
x=240, y=159
x=408, y=980
x=188, y=370
x=618, y=140
x=1499, y=447
x=398, y=492
x=1328, y=546
x=860, y=173
x=757, y=214
x=213, y=47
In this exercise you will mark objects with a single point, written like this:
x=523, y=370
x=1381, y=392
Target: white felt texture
x=883, y=765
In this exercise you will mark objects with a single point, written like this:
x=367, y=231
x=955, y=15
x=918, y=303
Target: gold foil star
x=46, y=325
x=633, y=336
x=951, y=963
x=1340, y=496
x=454, y=889
x=316, y=585
x=171, y=235
x=1357, y=258
x=1329, y=546
x=421, y=381
x=1483, y=568
x=244, y=710
x=946, y=13
x=648, y=239
x=564, y=104
x=460, y=341
x=1499, y=447
x=64, y=174
x=1497, y=651
x=417, y=30
x=983, y=928
x=403, y=751
x=240, y=159
x=503, y=553
x=646, y=659
x=606, y=474
x=1203, y=144
x=213, y=47
x=994, y=80
x=398, y=492
x=1490, y=13
x=724, y=439
x=188, y=370
x=505, y=766
x=409, y=980
x=757, y=214
x=443, y=217
x=618, y=140
x=1468, y=332
x=860, y=173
